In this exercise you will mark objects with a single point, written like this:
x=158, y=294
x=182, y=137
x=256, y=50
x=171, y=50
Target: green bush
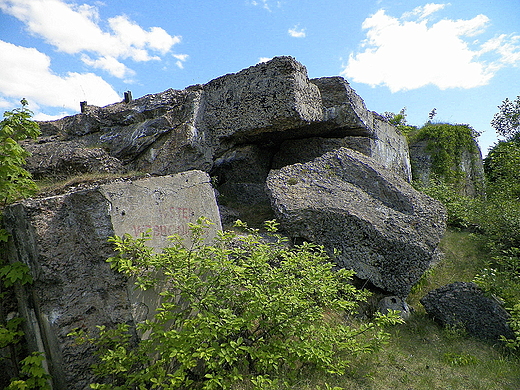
x=498, y=219
x=501, y=277
x=241, y=309
x=460, y=209
x=35, y=376
x=502, y=169
x=400, y=122
x=15, y=181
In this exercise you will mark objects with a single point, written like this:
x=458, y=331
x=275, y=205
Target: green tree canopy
x=15, y=181
x=502, y=163
x=506, y=121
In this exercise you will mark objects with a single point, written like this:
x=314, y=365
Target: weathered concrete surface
x=384, y=229
x=156, y=133
x=471, y=166
x=58, y=160
x=344, y=109
x=271, y=97
x=63, y=240
x=466, y=305
x=265, y=104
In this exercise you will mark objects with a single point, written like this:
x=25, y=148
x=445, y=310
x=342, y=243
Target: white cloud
x=410, y=52
x=297, y=32
x=264, y=59
x=75, y=29
x=265, y=4
x=507, y=46
x=424, y=11
x=181, y=59
x=110, y=64
x=46, y=117
x=35, y=81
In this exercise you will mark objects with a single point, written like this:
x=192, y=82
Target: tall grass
x=422, y=355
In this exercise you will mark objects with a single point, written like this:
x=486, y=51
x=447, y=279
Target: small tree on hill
x=15, y=181
x=506, y=121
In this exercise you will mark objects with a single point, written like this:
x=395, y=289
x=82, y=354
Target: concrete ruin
x=266, y=104
x=63, y=240
x=380, y=225
x=228, y=137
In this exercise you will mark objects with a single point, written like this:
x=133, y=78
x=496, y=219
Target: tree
x=506, y=121
x=396, y=119
x=399, y=121
x=502, y=169
x=241, y=309
x=15, y=181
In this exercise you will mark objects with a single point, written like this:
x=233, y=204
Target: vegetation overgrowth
x=243, y=308
x=16, y=183
x=446, y=144
x=495, y=218
x=299, y=332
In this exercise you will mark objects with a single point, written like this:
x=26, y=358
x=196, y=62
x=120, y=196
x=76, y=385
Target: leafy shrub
x=399, y=121
x=514, y=323
x=501, y=276
x=242, y=308
x=15, y=182
x=498, y=220
x=460, y=209
x=35, y=375
x=502, y=169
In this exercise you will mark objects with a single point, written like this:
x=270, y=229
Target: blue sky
x=461, y=57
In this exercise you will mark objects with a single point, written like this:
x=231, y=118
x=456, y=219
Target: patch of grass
x=47, y=187
x=421, y=355
x=464, y=257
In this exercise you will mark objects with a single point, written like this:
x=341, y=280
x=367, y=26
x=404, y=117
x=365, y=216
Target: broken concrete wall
x=344, y=109
x=178, y=130
x=63, y=240
x=470, y=166
x=383, y=229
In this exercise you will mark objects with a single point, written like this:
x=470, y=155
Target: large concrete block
x=345, y=109
x=274, y=96
x=384, y=229
x=63, y=240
